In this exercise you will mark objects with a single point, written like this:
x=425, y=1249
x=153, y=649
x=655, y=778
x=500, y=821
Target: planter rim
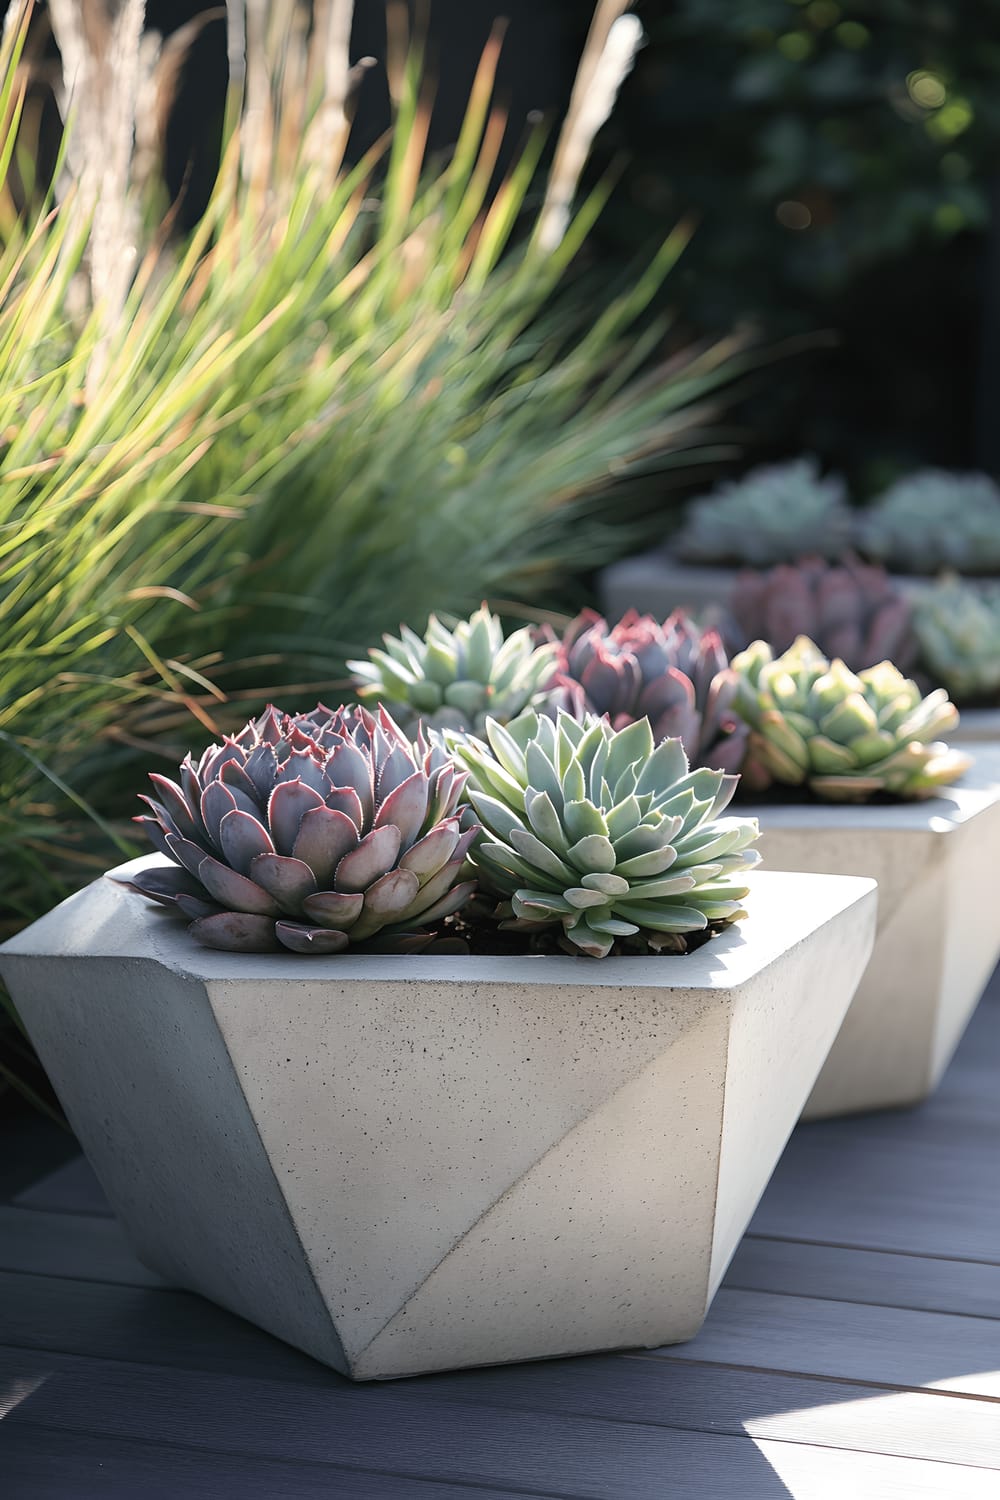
x=783, y=910
x=953, y=806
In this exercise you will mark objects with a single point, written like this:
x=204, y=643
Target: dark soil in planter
x=483, y=937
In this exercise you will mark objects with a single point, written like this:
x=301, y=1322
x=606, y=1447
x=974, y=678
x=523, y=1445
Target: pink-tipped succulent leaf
x=312, y=832
x=673, y=674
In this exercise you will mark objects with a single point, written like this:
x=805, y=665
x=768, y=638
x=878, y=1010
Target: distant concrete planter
x=411, y=1164
x=977, y=725
x=938, y=930
x=657, y=582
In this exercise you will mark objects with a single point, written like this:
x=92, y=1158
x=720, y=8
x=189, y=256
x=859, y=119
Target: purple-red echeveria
x=851, y=610
x=312, y=832
x=673, y=674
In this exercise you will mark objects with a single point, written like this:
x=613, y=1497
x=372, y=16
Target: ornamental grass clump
x=672, y=674
x=603, y=834
x=849, y=609
x=312, y=832
x=774, y=514
x=845, y=736
x=958, y=627
x=453, y=677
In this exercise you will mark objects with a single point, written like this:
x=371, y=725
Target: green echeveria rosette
x=454, y=677
x=311, y=832
x=602, y=833
x=845, y=736
x=958, y=627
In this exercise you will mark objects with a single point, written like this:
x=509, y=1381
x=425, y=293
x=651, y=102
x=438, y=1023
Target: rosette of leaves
x=454, y=676
x=603, y=834
x=776, y=513
x=934, y=520
x=312, y=832
x=850, y=609
x=958, y=627
x=845, y=736
x=672, y=674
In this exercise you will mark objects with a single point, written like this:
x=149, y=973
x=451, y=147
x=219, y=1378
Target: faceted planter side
x=410, y=1164
x=978, y=726
x=938, y=933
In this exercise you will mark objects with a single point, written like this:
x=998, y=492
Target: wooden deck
x=853, y=1353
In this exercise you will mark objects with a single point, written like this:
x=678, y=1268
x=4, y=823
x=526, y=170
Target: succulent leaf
x=846, y=736
x=596, y=866
x=670, y=677
x=312, y=832
x=935, y=520
x=852, y=610
x=774, y=514
x=958, y=626
x=456, y=674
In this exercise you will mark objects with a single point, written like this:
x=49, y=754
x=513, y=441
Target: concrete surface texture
x=938, y=934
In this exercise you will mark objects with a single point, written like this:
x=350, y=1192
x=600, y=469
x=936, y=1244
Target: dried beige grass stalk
x=612, y=43
x=100, y=44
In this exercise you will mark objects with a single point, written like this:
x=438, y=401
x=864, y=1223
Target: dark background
x=841, y=160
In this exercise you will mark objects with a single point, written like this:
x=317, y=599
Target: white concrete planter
x=656, y=583
x=976, y=726
x=938, y=931
x=410, y=1164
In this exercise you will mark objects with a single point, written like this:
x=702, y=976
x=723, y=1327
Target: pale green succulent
x=958, y=627
x=774, y=514
x=847, y=737
x=602, y=834
x=453, y=677
x=933, y=520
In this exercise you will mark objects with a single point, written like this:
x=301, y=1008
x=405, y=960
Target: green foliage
x=819, y=137
x=776, y=513
x=932, y=520
x=455, y=677
x=595, y=831
x=958, y=627
x=840, y=156
x=846, y=737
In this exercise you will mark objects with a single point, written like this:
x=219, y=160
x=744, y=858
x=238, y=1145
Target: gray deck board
x=854, y=1350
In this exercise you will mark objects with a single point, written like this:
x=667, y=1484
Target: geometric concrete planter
x=656, y=583
x=938, y=928
x=403, y=1164
x=976, y=725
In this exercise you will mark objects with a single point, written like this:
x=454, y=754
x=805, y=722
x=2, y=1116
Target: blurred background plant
x=958, y=627
x=774, y=514
x=933, y=520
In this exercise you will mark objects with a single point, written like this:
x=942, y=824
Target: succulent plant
x=958, y=627
x=671, y=674
x=603, y=833
x=849, y=609
x=453, y=677
x=774, y=514
x=311, y=832
x=845, y=736
x=935, y=520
